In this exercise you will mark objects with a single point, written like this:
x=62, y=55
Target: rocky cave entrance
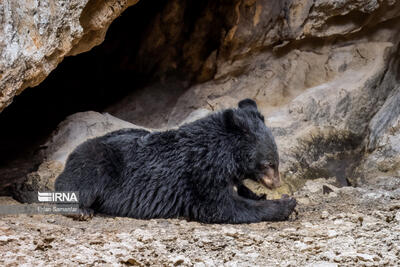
x=153, y=54
x=129, y=75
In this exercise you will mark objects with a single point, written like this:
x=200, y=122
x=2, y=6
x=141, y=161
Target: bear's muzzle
x=271, y=178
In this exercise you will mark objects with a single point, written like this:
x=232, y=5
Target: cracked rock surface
x=36, y=35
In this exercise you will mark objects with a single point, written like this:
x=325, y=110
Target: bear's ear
x=232, y=121
x=248, y=104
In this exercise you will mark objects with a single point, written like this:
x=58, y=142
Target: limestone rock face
x=221, y=35
x=328, y=84
x=73, y=131
x=383, y=158
x=36, y=35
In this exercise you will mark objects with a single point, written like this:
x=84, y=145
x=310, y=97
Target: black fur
x=189, y=172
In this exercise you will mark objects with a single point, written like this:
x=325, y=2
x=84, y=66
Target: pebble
x=179, y=260
x=332, y=233
x=333, y=194
x=324, y=214
x=397, y=216
x=323, y=264
x=365, y=257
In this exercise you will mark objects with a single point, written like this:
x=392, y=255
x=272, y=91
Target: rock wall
x=325, y=73
x=36, y=35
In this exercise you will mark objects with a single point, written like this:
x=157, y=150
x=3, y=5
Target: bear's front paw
x=278, y=209
x=287, y=204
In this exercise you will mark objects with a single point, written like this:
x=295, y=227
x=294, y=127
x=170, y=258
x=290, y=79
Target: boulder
x=74, y=130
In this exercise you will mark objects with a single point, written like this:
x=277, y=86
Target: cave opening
x=129, y=76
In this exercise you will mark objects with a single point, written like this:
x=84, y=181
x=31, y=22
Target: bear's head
x=257, y=154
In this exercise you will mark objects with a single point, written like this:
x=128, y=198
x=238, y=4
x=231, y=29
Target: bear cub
x=194, y=172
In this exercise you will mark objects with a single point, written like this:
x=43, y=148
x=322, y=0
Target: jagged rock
x=383, y=142
x=76, y=129
x=36, y=35
x=319, y=94
x=319, y=115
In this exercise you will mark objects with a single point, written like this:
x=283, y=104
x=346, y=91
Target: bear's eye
x=266, y=164
x=271, y=165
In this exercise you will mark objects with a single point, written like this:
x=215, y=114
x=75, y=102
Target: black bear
x=194, y=172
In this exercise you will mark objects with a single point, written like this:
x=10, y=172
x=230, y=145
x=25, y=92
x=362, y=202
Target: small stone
x=6, y=239
x=307, y=224
x=96, y=242
x=229, y=231
x=132, y=262
x=395, y=206
x=328, y=255
x=179, y=260
x=42, y=246
x=4, y=228
x=303, y=200
x=332, y=233
x=365, y=257
x=332, y=194
x=49, y=239
x=308, y=240
x=300, y=246
x=397, y=216
x=324, y=264
x=326, y=189
x=324, y=214
x=338, y=221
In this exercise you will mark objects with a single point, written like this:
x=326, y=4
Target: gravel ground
x=347, y=227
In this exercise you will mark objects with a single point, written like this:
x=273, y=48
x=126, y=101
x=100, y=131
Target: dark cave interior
x=124, y=64
x=90, y=81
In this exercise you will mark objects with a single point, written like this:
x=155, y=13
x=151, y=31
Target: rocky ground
x=346, y=227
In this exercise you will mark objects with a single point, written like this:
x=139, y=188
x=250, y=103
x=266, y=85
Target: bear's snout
x=271, y=178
